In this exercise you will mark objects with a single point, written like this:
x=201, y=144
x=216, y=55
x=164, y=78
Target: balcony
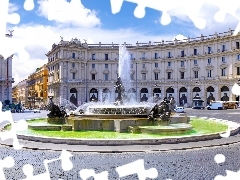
x=73, y=70
x=75, y=80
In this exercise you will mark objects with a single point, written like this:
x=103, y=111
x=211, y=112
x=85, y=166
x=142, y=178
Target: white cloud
x=12, y=8
x=180, y=37
x=73, y=13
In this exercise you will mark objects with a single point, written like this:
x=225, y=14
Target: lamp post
x=136, y=81
x=86, y=84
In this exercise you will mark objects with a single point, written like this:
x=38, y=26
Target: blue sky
x=93, y=20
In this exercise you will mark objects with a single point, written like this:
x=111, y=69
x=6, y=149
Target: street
x=229, y=114
x=29, y=114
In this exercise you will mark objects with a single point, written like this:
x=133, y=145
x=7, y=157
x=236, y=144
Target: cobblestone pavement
x=176, y=165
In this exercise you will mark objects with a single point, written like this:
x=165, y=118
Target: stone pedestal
x=56, y=120
x=160, y=122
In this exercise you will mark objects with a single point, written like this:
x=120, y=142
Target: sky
x=37, y=24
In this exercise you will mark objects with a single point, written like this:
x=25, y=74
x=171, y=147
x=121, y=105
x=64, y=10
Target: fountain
x=121, y=116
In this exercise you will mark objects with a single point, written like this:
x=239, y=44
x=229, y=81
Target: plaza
x=191, y=160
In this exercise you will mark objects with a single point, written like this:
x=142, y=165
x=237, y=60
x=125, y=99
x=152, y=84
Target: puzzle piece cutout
x=21, y=125
x=87, y=173
x=11, y=45
x=137, y=167
x=230, y=175
x=28, y=5
x=66, y=166
x=7, y=162
x=186, y=7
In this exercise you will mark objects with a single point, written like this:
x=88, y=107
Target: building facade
x=6, y=79
x=207, y=66
x=15, y=96
x=37, y=87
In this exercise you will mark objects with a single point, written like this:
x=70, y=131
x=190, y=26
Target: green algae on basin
x=200, y=127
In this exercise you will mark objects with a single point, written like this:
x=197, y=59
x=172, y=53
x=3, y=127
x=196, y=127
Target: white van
x=216, y=105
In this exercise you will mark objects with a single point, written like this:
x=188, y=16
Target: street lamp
x=136, y=81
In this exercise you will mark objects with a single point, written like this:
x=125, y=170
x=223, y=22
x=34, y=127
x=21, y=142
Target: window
x=143, y=55
x=182, y=63
x=195, y=51
x=106, y=77
x=209, y=50
x=156, y=65
x=169, y=74
x=237, y=45
x=144, y=76
x=144, y=65
x=223, y=48
x=93, y=77
x=93, y=66
x=106, y=66
x=156, y=55
x=93, y=56
x=131, y=55
x=224, y=71
x=238, y=70
x=169, y=64
x=53, y=68
x=131, y=65
x=73, y=55
x=209, y=73
x=73, y=75
x=156, y=76
x=195, y=62
x=238, y=57
x=169, y=54
x=223, y=59
x=209, y=61
x=182, y=53
x=195, y=74
x=106, y=56
x=131, y=76
x=73, y=65
x=182, y=75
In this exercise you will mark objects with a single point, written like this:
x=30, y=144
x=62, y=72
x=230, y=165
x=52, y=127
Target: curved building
x=205, y=65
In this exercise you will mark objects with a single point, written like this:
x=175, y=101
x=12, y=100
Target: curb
x=233, y=129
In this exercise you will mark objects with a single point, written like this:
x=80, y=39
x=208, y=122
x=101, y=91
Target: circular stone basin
x=170, y=129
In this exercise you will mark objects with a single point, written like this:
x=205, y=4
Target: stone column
x=176, y=94
x=163, y=92
x=217, y=93
x=203, y=94
x=189, y=96
x=100, y=90
x=231, y=94
x=150, y=93
x=112, y=94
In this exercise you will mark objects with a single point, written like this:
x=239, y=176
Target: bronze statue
x=120, y=90
x=161, y=111
x=55, y=111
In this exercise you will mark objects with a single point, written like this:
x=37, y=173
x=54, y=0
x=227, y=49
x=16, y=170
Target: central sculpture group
x=161, y=111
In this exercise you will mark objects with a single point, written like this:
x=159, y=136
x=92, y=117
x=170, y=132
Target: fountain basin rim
x=113, y=142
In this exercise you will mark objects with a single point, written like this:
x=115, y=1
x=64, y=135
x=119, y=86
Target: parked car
x=36, y=111
x=179, y=109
